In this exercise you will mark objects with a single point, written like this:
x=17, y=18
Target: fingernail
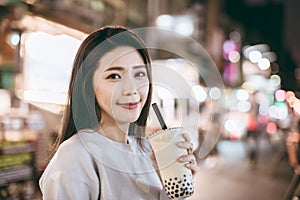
x=181, y=159
x=179, y=144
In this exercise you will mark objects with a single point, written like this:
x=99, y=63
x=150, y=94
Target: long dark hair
x=82, y=110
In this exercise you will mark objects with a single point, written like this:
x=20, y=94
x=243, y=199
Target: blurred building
x=212, y=22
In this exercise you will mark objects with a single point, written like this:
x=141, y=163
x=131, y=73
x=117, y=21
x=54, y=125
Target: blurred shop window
x=47, y=67
x=19, y=134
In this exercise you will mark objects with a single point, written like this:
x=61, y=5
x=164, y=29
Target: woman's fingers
x=186, y=137
x=189, y=159
x=193, y=167
x=190, y=162
x=186, y=145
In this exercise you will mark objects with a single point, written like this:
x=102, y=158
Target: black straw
x=160, y=118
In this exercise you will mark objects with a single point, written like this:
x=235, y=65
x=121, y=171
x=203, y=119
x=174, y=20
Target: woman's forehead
x=121, y=56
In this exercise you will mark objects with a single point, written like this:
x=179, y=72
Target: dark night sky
x=292, y=28
x=273, y=22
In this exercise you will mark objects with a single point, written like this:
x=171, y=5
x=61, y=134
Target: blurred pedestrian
x=293, y=145
x=252, y=136
x=102, y=152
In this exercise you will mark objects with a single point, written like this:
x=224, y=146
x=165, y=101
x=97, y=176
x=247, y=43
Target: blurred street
x=231, y=178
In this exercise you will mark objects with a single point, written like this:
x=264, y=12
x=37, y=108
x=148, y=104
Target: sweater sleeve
x=163, y=195
x=60, y=186
x=70, y=175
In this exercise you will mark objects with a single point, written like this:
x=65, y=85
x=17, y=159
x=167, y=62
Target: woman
x=98, y=156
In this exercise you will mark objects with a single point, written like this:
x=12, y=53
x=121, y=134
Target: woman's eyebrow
x=115, y=68
x=123, y=68
x=138, y=66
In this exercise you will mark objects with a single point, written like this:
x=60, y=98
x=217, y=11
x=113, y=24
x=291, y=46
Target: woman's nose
x=129, y=87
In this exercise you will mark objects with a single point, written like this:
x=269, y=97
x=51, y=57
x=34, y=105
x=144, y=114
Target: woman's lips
x=129, y=106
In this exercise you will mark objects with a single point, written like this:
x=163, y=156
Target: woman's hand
x=189, y=159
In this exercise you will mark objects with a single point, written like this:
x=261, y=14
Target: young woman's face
x=121, y=85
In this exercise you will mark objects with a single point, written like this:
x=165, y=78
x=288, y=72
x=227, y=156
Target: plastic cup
x=177, y=179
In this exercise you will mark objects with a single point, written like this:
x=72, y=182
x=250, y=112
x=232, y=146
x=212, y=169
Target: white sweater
x=91, y=166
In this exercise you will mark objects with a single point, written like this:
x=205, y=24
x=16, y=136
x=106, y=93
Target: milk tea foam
x=177, y=179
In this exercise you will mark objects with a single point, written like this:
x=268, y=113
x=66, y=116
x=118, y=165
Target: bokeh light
x=234, y=56
x=242, y=95
x=264, y=64
x=199, y=93
x=255, y=56
x=271, y=128
x=215, y=93
x=280, y=95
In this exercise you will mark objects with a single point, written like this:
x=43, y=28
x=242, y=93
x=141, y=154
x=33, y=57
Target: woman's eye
x=140, y=74
x=114, y=76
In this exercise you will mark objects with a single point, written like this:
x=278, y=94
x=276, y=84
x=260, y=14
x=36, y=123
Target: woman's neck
x=115, y=133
